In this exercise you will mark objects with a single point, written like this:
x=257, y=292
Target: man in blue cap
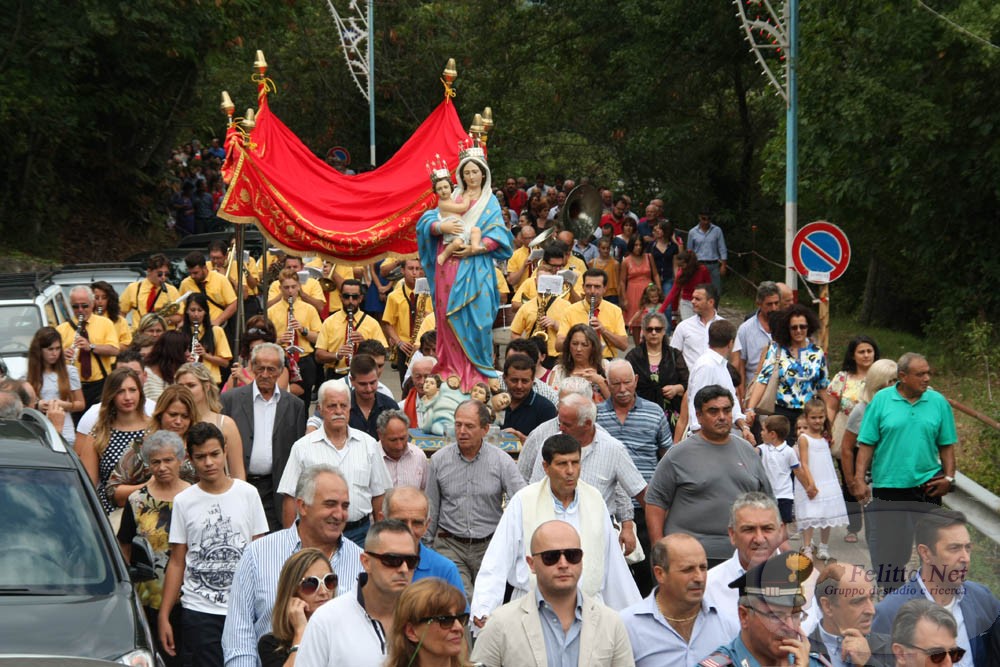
x=770, y=609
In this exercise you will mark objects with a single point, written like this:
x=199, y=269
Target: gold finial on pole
x=250, y=120
x=227, y=105
x=448, y=77
x=487, y=125
x=476, y=129
x=260, y=64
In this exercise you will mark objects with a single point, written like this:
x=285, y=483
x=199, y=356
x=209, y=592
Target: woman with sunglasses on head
x=660, y=370
x=259, y=330
x=147, y=514
x=53, y=380
x=211, y=347
x=305, y=584
x=196, y=378
x=428, y=628
x=799, y=363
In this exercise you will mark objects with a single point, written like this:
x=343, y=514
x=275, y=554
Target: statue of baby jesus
x=452, y=209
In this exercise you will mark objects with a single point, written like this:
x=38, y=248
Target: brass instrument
x=543, y=308
x=581, y=212
x=79, y=332
x=232, y=258
x=326, y=282
x=173, y=307
x=195, y=327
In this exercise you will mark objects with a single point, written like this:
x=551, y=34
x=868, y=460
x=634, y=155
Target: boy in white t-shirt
x=780, y=463
x=211, y=524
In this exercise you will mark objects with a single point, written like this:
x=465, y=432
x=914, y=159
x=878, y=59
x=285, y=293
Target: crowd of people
x=672, y=467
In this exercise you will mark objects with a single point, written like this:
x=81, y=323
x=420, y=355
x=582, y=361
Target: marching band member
x=298, y=327
x=332, y=345
x=151, y=293
x=605, y=317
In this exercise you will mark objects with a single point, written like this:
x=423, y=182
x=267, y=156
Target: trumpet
x=195, y=326
x=79, y=332
x=326, y=282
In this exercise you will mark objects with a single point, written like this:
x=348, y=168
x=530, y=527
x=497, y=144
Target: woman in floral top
x=846, y=390
x=800, y=364
x=147, y=514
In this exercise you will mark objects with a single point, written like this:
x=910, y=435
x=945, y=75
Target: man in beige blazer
x=555, y=624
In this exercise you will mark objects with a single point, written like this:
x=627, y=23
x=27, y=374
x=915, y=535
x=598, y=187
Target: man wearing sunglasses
x=945, y=551
x=151, y=293
x=321, y=499
x=924, y=634
x=563, y=496
x=354, y=629
x=556, y=623
x=332, y=346
x=771, y=616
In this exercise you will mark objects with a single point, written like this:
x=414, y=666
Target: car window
x=18, y=324
x=50, y=314
x=62, y=308
x=52, y=543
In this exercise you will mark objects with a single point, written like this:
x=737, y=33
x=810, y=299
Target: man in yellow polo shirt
x=220, y=294
x=151, y=293
x=402, y=309
x=607, y=319
x=90, y=343
x=300, y=330
x=332, y=348
x=518, y=266
x=310, y=291
x=218, y=254
x=337, y=276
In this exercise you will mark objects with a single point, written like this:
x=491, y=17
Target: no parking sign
x=821, y=252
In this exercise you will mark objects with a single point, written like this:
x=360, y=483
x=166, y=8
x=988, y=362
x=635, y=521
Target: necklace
x=676, y=620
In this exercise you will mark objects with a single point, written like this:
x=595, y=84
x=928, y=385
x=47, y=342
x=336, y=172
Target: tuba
x=581, y=212
x=195, y=330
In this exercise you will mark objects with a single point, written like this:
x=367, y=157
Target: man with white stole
x=562, y=496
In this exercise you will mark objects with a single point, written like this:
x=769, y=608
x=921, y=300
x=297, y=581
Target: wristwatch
x=92, y=347
x=951, y=480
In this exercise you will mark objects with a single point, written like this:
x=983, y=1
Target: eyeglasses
x=447, y=621
x=395, y=560
x=80, y=306
x=937, y=653
x=352, y=297
x=266, y=370
x=552, y=556
x=161, y=274
x=784, y=619
x=799, y=327
x=310, y=585
x=654, y=329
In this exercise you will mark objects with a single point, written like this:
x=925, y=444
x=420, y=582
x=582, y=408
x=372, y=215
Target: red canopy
x=307, y=207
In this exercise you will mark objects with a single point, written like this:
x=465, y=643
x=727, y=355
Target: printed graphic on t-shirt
x=215, y=557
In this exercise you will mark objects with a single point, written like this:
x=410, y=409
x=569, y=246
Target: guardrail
x=980, y=505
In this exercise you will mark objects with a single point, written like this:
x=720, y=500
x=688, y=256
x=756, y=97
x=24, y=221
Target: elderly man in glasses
x=556, y=623
x=771, y=616
x=90, y=343
x=353, y=629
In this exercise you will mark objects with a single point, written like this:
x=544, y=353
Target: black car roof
x=26, y=443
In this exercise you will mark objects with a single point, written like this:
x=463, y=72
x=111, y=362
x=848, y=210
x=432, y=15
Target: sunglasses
x=310, y=585
x=447, y=621
x=352, y=297
x=395, y=560
x=552, y=556
x=81, y=306
x=654, y=329
x=937, y=654
x=799, y=327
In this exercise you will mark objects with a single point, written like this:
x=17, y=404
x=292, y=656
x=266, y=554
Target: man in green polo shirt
x=908, y=436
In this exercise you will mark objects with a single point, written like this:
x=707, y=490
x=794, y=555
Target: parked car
x=253, y=240
x=28, y=301
x=119, y=274
x=65, y=589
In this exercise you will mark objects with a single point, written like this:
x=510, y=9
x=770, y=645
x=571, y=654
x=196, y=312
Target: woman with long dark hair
x=637, y=272
x=212, y=347
x=581, y=356
x=106, y=304
x=169, y=352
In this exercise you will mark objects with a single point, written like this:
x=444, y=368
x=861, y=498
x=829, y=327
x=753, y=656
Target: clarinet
x=349, y=332
x=294, y=351
x=195, y=326
x=79, y=332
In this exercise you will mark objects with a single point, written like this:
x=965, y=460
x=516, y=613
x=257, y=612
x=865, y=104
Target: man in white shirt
x=712, y=368
x=690, y=337
x=356, y=454
x=560, y=495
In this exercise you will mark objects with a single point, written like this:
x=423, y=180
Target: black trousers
x=154, y=628
x=892, y=515
x=202, y=638
x=268, y=498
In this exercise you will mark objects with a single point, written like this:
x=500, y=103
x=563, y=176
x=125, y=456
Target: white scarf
x=537, y=507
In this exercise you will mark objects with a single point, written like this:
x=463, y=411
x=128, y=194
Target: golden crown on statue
x=471, y=148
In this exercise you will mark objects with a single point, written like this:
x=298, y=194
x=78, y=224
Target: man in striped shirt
x=322, y=499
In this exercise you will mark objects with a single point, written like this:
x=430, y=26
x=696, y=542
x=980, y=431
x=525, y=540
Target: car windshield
x=18, y=324
x=52, y=544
